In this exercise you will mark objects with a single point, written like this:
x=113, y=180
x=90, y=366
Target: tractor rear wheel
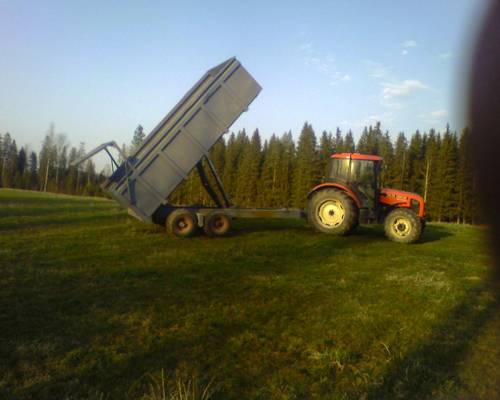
x=217, y=224
x=332, y=211
x=403, y=225
x=182, y=223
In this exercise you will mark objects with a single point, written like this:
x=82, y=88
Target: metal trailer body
x=179, y=143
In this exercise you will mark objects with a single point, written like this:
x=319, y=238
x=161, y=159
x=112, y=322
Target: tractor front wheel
x=403, y=225
x=182, y=223
x=332, y=211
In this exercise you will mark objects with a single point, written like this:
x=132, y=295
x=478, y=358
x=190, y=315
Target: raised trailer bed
x=143, y=182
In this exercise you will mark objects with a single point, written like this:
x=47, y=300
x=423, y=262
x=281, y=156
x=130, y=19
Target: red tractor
x=351, y=194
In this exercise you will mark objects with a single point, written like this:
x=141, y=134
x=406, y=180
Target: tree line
x=51, y=169
x=278, y=172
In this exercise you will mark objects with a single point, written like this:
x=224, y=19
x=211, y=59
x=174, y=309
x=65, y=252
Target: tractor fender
x=344, y=188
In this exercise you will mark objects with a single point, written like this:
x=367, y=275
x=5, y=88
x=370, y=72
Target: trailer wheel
x=182, y=223
x=332, y=211
x=403, y=225
x=217, y=224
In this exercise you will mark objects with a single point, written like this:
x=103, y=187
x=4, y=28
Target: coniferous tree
x=467, y=196
x=33, y=172
x=234, y=149
x=398, y=172
x=326, y=146
x=286, y=170
x=9, y=162
x=248, y=171
x=5, y=148
x=446, y=200
x=137, y=139
x=270, y=175
x=415, y=163
x=21, y=167
x=386, y=151
x=1, y=158
x=306, y=173
x=338, y=141
x=349, y=145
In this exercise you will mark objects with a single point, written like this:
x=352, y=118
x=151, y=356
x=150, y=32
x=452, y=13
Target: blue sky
x=97, y=69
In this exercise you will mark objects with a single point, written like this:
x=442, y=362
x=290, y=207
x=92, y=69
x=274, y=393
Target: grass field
x=96, y=305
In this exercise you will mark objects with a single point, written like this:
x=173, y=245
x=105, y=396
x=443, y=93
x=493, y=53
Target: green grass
x=94, y=304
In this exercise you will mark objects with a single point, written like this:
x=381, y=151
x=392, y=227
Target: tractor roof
x=357, y=156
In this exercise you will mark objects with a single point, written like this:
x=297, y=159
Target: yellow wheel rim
x=401, y=227
x=331, y=213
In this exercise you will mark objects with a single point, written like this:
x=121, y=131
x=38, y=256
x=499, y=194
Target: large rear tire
x=182, y=223
x=332, y=211
x=402, y=225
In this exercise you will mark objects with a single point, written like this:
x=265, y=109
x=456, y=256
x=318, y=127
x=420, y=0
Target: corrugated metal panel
x=183, y=137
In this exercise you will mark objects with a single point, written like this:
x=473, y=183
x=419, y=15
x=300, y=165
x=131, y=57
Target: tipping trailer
x=143, y=182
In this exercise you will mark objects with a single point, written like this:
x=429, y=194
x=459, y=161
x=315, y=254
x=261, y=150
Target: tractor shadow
x=433, y=233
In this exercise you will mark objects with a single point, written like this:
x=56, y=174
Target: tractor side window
x=363, y=173
x=339, y=169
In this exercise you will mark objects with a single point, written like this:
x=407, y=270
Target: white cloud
x=404, y=52
x=393, y=93
x=385, y=119
x=391, y=90
x=377, y=70
x=305, y=46
x=446, y=55
x=434, y=116
x=438, y=114
x=409, y=43
x=324, y=64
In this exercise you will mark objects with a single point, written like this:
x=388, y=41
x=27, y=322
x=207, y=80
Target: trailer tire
x=402, y=225
x=182, y=223
x=332, y=211
x=217, y=224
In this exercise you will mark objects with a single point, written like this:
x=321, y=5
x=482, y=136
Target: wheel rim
x=401, y=227
x=184, y=224
x=331, y=213
x=219, y=224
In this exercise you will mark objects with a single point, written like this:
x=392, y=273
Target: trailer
x=181, y=142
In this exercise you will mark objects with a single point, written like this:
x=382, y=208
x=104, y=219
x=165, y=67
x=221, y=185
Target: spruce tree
x=20, y=168
x=386, y=151
x=446, y=203
x=416, y=164
x=138, y=138
x=338, y=141
x=326, y=146
x=467, y=196
x=269, y=179
x=248, y=172
x=349, y=145
x=306, y=173
x=286, y=170
x=1, y=159
x=33, y=169
x=398, y=172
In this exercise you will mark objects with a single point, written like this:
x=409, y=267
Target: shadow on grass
x=82, y=310
x=433, y=233
x=434, y=362
x=64, y=221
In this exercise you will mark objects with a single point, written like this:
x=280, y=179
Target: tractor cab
x=360, y=173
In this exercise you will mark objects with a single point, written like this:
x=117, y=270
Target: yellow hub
x=401, y=227
x=331, y=213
